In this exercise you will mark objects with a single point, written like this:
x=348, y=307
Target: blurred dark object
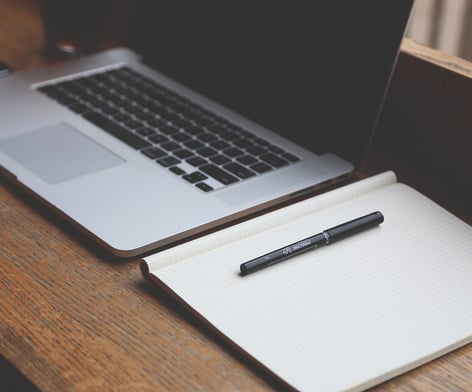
x=73, y=27
x=4, y=69
x=13, y=380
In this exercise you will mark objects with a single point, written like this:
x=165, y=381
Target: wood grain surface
x=73, y=318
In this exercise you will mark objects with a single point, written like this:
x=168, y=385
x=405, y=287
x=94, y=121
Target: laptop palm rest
x=58, y=153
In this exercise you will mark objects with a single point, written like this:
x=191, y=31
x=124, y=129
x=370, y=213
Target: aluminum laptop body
x=306, y=79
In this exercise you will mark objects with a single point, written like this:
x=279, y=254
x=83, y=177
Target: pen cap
x=354, y=226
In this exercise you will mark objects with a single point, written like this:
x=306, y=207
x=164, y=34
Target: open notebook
x=343, y=317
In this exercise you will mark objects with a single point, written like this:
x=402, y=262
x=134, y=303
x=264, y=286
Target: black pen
x=324, y=238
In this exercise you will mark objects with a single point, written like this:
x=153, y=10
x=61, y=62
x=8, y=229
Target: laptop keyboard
x=192, y=142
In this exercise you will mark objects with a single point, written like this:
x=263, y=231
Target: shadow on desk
x=424, y=131
x=13, y=380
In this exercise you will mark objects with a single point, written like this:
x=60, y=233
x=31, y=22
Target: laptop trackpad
x=58, y=153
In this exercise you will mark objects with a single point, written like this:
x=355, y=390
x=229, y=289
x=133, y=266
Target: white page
x=349, y=315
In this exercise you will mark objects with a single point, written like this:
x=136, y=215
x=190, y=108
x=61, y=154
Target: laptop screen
x=312, y=71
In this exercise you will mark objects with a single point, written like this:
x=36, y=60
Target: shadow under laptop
x=64, y=231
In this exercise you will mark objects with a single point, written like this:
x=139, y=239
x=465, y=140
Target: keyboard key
x=229, y=135
x=195, y=130
x=51, y=91
x=188, y=113
x=290, y=157
x=155, y=122
x=145, y=116
x=220, y=159
x=218, y=174
x=238, y=170
x=170, y=146
x=72, y=87
x=204, y=187
x=116, y=130
x=131, y=108
x=217, y=129
x=121, y=117
x=194, y=177
x=261, y=167
x=275, y=149
x=109, y=110
x=242, y=143
x=196, y=161
x=169, y=116
x=207, y=137
x=247, y=134
x=203, y=121
x=256, y=150
x=177, y=170
x=182, y=153
x=206, y=152
x=246, y=160
x=168, y=129
x=133, y=124
x=233, y=152
x=158, y=138
x=154, y=152
x=181, y=123
x=193, y=144
x=79, y=108
x=235, y=127
x=273, y=160
x=145, y=131
x=168, y=161
x=219, y=145
x=180, y=137
x=261, y=142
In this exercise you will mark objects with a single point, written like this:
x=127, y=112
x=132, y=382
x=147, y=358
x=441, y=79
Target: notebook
x=216, y=111
x=343, y=317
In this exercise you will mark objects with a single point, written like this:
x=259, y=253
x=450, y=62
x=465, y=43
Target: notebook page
x=349, y=315
x=264, y=222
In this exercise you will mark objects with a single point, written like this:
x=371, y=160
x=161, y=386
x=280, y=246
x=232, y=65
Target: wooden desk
x=74, y=318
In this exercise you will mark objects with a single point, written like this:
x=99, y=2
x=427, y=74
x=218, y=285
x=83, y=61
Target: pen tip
x=380, y=215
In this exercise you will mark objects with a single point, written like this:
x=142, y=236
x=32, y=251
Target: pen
x=324, y=238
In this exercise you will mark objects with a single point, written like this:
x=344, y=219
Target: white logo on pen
x=287, y=250
x=299, y=245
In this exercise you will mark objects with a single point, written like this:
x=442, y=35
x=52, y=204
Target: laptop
x=216, y=111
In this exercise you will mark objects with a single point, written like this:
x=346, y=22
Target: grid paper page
x=349, y=315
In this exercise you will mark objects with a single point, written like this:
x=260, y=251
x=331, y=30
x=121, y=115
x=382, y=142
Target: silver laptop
x=215, y=112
